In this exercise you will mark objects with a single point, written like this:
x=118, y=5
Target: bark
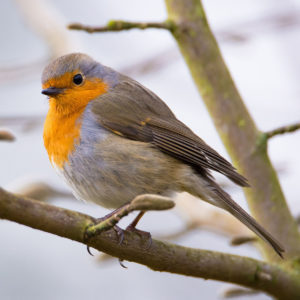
x=161, y=256
x=244, y=142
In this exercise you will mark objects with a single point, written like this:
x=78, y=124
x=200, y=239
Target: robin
x=112, y=139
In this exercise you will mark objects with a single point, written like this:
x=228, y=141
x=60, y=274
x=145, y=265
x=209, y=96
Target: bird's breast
x=61, y=135
x=66, y=134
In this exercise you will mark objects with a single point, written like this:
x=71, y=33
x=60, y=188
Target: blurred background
x=260, y=41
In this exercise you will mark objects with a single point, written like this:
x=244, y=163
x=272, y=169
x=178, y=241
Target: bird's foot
x=142, y=234
x=118, y=230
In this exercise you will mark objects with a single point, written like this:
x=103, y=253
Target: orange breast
x=63, y=121
x=61, y=134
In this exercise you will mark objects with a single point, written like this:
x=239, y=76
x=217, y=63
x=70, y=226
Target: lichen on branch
x=160, y=256
x=118, y=25
x=282, y=130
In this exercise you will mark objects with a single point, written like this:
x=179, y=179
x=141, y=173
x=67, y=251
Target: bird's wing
x=132, y=111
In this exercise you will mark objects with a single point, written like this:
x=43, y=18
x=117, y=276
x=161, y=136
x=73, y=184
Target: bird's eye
x=77, y=79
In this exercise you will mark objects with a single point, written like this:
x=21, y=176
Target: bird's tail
x=220, y=198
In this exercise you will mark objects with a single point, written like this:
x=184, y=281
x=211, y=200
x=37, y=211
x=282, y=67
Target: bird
x=112, y=139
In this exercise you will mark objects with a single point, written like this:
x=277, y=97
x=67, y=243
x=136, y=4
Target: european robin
x=112, y=139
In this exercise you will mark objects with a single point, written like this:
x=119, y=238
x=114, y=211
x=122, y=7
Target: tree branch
x=6, y=136
x=234, y=292
x=160, y=256
x=233, y=123
x=282, y=130
x=241, y=240
x=118, y=25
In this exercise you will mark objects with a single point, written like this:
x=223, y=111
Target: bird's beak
x=52, y=91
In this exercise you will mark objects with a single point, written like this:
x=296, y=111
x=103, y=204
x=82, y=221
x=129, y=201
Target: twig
x=42, y=191
x=161, y=256
x=6, y=136
x=241, y=240
x=46, y=20
x=282, y=130
x=238, y=292
x=26, y=123
x=117, y=25
x=189, y=227
x=202, y=215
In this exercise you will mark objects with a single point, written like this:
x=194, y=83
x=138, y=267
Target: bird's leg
x=99, y=220
x=133, y=224
x=117, y=229
x=110, y=221
x=132, y=228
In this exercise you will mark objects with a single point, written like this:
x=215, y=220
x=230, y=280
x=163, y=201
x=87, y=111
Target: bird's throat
x=61, y=134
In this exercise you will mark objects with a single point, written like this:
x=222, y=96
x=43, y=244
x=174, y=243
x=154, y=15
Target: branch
x=42, y=191
x=233, y=123
x=238, y=292
x=200, y=214
x=164, y=257
x=282, y=130
x=241, y=240
x=26, y=123
x=6, y=136
x=47, y=21
x=118, y=25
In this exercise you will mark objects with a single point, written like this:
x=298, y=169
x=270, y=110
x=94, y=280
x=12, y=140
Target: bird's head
x=73, y=80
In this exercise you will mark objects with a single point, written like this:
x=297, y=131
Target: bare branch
x=161, y=256
x=42, y=191
x=241, y=240
x=6, y=136
x=199, y=214
x=238, y=292
x=189, y=227
x=26, y=123
x=46, y=20
x=282, y=130
x=118, y=25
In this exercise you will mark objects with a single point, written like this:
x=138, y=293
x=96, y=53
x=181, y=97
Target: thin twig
x=235, y=292
x=25, y=123
x=45, y=19
x=282, y=130
x=241, y=240
x=42, y=191
x=189, y=227
x=6, y=136
x=118, y=25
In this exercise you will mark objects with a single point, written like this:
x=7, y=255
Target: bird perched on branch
x=113, y=139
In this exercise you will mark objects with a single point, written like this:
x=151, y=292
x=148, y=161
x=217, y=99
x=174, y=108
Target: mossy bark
x=160, y=256
x=243, y=141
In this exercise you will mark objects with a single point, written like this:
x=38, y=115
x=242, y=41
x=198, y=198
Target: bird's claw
x=121, y=263
x=120, y=233
x=89, y=250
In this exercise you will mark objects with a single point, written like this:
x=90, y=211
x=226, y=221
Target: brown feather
x=138, y=114
x=228, y=204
